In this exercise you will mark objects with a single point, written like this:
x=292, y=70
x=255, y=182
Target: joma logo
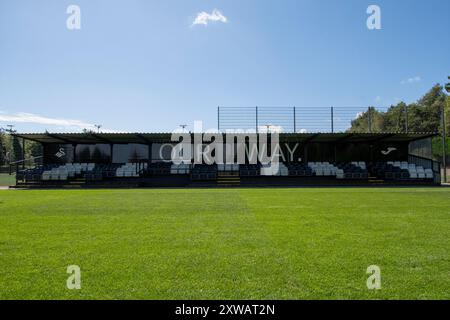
x=389, y=150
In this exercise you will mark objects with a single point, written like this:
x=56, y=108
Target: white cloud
x=67, y=124
x=411, y=80
x=203, y=18
x=377, y=99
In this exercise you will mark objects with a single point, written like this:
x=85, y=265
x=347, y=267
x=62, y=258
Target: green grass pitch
x=7, y=180
x=225, y=243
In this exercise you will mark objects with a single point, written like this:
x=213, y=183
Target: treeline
x=424, y=115
x=11, y=149
x=421, y=116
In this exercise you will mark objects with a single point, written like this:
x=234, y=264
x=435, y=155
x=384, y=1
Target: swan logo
x=60, y=153
x=389, y=150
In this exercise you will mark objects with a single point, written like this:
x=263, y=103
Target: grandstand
x=306, y=159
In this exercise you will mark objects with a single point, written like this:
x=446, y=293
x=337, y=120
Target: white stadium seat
x=415, y=172
x=323, y=169
x=274, y=170
x=413, y=175
x=340, y=174
x=128, y=170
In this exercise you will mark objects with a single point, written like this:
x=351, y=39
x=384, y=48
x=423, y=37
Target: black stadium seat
x=203, y=172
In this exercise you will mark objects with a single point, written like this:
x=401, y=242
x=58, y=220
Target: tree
x=7, y=147
x=2, y=150
x=447, y=115
x=34, y=149
x=17, y=151
x=423, y=116
x=394, y=119
x=368, y=121
x=429, y=109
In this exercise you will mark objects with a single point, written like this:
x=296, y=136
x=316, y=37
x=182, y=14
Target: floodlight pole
x=444, y=133
x=10, y=128
x=183, y=127
x=23, y=153
x=444, y=142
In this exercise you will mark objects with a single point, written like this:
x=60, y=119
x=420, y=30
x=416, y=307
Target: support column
x=74, y=152
x=306, y=153
x=335, y=152
x=444, y=145
x=150, y=153
x=23, y=153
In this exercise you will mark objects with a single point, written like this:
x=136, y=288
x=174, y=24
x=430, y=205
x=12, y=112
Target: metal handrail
x=23, y=160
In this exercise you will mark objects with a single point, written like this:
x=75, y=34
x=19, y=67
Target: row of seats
x=158, y=169
x=130, y=170
x=299, y=169
x=354, y=170
x=66, y=171
x=182, y=168
x=249, y=170
x=204, y=172
x=34, y=174
x=323, y=169
x=271, y=169
x=415, y=172
x=228, y=167
x=401, y=171
x=102, y=171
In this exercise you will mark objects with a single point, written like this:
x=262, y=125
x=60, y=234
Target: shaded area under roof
x=146, y=138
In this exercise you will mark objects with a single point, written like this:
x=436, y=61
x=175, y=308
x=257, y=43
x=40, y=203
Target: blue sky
x=143, y=66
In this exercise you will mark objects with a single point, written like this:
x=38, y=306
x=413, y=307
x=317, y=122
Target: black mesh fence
x=305, y=119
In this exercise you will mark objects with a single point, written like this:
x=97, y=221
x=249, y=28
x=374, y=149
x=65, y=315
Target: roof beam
x=311, y=138
x=99, y=137
x=389, y=135
x=142, y=138
x=26, y=138
x=59, y=138
x=346, y=137
x=431, y=135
